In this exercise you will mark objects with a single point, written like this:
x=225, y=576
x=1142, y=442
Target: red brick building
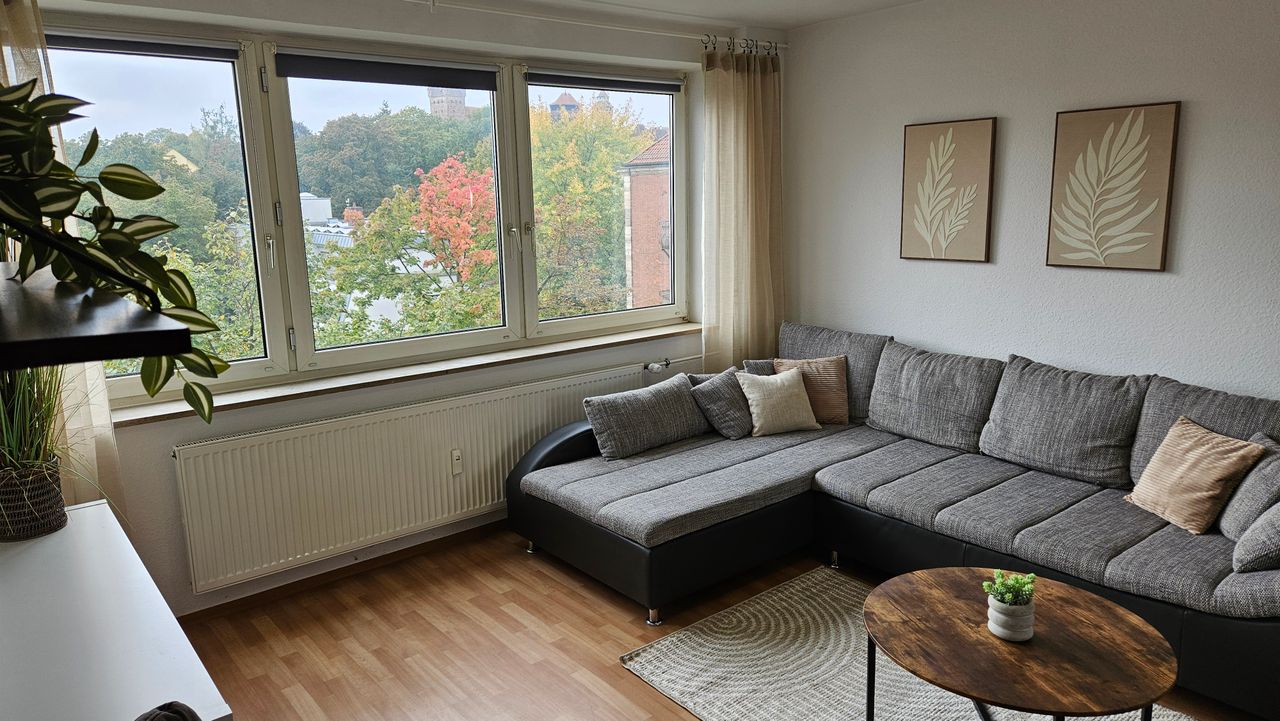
x=646, y=188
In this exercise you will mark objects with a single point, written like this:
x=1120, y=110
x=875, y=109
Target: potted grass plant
x=1011, y=608
x=30, y=485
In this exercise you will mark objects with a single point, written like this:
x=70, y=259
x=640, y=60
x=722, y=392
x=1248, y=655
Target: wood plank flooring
x=474, y=629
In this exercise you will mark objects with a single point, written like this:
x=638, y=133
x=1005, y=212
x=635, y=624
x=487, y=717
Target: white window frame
x=278, y=232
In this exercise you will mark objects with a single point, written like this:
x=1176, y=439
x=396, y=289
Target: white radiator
x=259, y=503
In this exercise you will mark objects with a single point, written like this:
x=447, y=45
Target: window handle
x=271, y=253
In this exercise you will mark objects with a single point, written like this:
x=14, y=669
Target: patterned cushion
x=853, y=480
x=1258, y=491
x=940, y=398
x=824, y=382
x=778, y=403
x=1175, y=566
x=758, y=367
x=919, y=497
x=1259, y=547
x=995, y=516
x=1083, y=539
x=1225, y=413
x=1192, y=475
x=633, y=421
x=1069, y=423
x=861, y=352
x=724, y=405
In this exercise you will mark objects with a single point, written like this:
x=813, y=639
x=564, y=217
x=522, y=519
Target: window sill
x=231, y=400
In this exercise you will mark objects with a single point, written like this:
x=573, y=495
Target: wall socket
x=455, y=460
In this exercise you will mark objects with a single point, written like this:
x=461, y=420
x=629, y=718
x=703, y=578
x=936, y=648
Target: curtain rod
x=705, y=38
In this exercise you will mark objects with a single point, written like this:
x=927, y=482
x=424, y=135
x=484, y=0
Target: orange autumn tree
x=432, y=249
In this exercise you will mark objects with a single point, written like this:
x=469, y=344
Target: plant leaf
x=1124, y=249
x=1080, y=256
x=195, y=320
x=197, y=362
x=178, y=290
x=57, y=199
x=90, y=149
x=200, y=400
x=146, y=227
x=17, y=93
x=156, y=372
x=129, y=182
x=117, y=243
x=54, y=105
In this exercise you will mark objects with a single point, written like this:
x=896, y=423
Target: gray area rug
x=798, y=651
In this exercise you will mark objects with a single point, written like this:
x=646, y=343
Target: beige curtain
x=90, y=466
x=742, y=208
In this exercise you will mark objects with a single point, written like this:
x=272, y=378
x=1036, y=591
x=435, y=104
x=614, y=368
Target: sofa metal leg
x=531, y=548
x=835, y=559
x=655, y=617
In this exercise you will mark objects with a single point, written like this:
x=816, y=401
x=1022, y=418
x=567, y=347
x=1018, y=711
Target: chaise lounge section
x=949, y=460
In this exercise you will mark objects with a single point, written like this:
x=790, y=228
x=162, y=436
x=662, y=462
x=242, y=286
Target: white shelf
x=85, y=634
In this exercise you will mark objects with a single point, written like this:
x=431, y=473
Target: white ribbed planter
x=1012, y=623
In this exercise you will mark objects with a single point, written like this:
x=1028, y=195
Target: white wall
x=1214, y=316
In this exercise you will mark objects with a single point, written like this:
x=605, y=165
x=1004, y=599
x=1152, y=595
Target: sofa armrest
x=567, y=443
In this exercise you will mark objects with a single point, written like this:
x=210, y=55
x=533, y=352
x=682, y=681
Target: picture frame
x=948, y=176
x=1112, y=187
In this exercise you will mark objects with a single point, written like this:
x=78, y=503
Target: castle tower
x=448, y=103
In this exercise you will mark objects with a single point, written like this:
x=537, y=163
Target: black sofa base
x=1233, y=660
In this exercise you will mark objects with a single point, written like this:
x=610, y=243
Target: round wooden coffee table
x=1089, y=656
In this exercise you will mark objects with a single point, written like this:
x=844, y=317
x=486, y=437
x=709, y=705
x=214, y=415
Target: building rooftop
x=658, y=153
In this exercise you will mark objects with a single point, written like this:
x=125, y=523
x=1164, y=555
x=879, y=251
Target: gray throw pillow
x=1069, y=423
x=939, y=398
x=758, y=367
x=1258, y=491
x=723, y=403
x=1259, y=547
x=632, y=421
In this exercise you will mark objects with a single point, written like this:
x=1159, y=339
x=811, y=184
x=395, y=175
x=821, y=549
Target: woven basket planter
x=31, y=502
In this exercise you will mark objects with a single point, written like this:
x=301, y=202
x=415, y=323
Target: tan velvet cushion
x=778, y=403
x=825, y=383
x=1192, y=475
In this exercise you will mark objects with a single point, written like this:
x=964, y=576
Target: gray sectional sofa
x=949, y=460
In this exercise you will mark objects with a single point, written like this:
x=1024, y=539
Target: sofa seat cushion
x=1068, y=423
x=586, y=486
x=939, y=398
x=1231, y=415
x=1175, y=566
x=993, y=518
x=854, y=479
x=917, y=498
x=663, y=513
x=861, y=352
x=1248, y=595
x=1083, y=539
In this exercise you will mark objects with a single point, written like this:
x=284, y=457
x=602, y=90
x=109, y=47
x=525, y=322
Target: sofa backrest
x=939, y=398
x=1226, y=413
x=1070, y=423
x=862, y=350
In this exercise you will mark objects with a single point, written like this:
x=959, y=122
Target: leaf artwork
x=1100, y=211
x=940, y=214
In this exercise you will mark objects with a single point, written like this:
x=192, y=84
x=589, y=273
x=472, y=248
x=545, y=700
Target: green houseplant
x=41, y=209
x=1011, y=605
x=30, y=486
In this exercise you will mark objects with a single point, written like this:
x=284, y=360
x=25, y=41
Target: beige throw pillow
x=1192, y=475
x=826, y=384
x=778, y=403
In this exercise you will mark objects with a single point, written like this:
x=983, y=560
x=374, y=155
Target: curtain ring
x=706, y=41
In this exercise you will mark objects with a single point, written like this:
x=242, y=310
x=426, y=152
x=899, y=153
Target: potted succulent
x=1011, y=606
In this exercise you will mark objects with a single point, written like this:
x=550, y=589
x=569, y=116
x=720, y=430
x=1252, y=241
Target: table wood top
x=1089, y=656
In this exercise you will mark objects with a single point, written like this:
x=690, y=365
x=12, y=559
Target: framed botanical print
x=946, y=190
x=1112, y=184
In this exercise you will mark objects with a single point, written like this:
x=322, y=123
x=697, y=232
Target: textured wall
x=1212, y=318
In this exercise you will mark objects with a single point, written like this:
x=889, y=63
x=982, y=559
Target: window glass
x=602, y=192
x=177, y=119
x=399, y=208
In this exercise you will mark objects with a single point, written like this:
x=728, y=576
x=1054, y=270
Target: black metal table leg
x=1146, y=712
x=871, y=679
x=983, y=712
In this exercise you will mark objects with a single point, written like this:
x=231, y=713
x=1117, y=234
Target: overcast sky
x=138, y=93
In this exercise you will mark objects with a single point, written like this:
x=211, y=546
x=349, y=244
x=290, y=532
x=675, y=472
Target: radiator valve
x=659, y=366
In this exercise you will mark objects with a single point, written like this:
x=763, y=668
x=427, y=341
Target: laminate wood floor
x=470, y=629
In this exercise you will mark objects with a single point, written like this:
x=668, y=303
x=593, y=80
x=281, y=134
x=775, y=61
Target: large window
x=174, y=113
x=342, y=210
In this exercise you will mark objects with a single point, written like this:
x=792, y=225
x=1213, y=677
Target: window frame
x=275, y=361
x=279, y=242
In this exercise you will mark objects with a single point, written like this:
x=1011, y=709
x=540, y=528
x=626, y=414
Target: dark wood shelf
x=44, y=322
